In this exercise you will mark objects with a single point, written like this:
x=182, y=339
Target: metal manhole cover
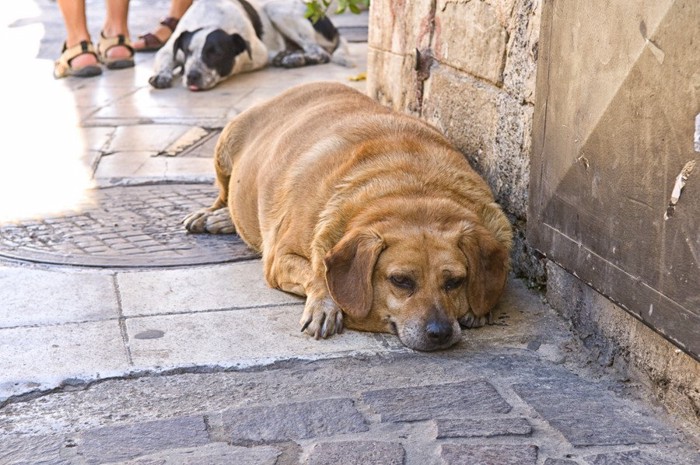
x=137, y=226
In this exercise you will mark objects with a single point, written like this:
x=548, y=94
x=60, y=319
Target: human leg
x=78, y=57
x=115, y=46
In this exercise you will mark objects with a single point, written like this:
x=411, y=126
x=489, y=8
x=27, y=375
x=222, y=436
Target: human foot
x=115, y=52
x=152, y=41
x=78, y=60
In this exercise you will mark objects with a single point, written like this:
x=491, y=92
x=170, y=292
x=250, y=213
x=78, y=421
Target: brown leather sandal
x=151, y=41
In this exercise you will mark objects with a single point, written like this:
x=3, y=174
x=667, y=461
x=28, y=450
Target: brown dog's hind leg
x=210, y=220
x=217, y=218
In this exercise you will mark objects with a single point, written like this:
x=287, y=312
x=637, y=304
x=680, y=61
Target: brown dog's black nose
x=438, y=331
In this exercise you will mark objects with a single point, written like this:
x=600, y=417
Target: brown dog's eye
x=453, y=283
x=403, y=282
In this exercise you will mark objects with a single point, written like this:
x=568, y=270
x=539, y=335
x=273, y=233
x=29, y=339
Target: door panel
x=618, y=92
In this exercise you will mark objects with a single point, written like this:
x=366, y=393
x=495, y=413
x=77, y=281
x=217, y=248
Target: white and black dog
x=216, y=39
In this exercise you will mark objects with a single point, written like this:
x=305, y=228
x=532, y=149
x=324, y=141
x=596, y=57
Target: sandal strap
x=67, y=54
x=106, y=43
x=151, y=41
x=62, y=66
x=170, y=23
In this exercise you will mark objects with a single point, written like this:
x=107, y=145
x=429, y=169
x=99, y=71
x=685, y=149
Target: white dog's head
x=209, y=55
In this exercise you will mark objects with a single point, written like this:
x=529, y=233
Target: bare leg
x=76, y=30
x=116, y=23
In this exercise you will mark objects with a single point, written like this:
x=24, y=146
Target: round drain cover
x=136, y=226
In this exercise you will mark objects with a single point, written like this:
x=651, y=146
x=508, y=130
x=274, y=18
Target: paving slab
x=482, y=427
x=138, y=168
x=34, y=297
x=210, y=454
x=145, y=138
x=238, y=338
x=205, y=288
x=295, y=421
x=35, y=450
x=596, y=419
x=635, y=457
x=502, y=454
x=45, y=357
x=436, y=401
x=357, y=453
x=118, y=443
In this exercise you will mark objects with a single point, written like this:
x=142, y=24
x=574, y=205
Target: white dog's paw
x=161, y=80
x=322, y=318
x=472, y=321
x=214, y=222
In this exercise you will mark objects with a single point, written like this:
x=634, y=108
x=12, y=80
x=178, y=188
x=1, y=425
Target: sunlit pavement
x=190, y=352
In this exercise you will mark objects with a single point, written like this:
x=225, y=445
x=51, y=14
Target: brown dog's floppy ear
x=349, y=268
x=487, y=261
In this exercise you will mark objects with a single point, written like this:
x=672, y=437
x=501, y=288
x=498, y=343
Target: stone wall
x=468, y=67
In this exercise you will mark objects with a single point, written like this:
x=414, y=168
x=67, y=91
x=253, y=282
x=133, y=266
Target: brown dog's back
x=297, y=147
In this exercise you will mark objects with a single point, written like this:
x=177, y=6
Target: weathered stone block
x=280, y=423
x=118, y=443
x=471, y=36
x=522, y=50
x=482, y=427
x=357, y=453
x=400, y=92
x=490, y=127
x=595, y=419
x=400, y=26
x=464, y=109
x=455, y=400
x=467, y=454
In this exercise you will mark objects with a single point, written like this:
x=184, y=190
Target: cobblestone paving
x=501, y=408
x=138, y=226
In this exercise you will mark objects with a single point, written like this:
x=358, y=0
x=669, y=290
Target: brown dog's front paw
x=322, y=318
x=210, y=221
x=472, y=321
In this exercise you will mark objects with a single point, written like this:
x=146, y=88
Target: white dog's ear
x=349, y=269
x=487, y=268
x=240, y=45
x=183, y=41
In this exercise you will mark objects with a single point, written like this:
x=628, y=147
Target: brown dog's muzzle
x=438, y=331
x=434, y=331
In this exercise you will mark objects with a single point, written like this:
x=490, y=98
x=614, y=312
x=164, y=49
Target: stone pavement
x=144, y=359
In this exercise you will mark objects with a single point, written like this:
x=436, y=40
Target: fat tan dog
x=371, y=215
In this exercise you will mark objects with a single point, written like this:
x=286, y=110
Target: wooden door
x=616, y=135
